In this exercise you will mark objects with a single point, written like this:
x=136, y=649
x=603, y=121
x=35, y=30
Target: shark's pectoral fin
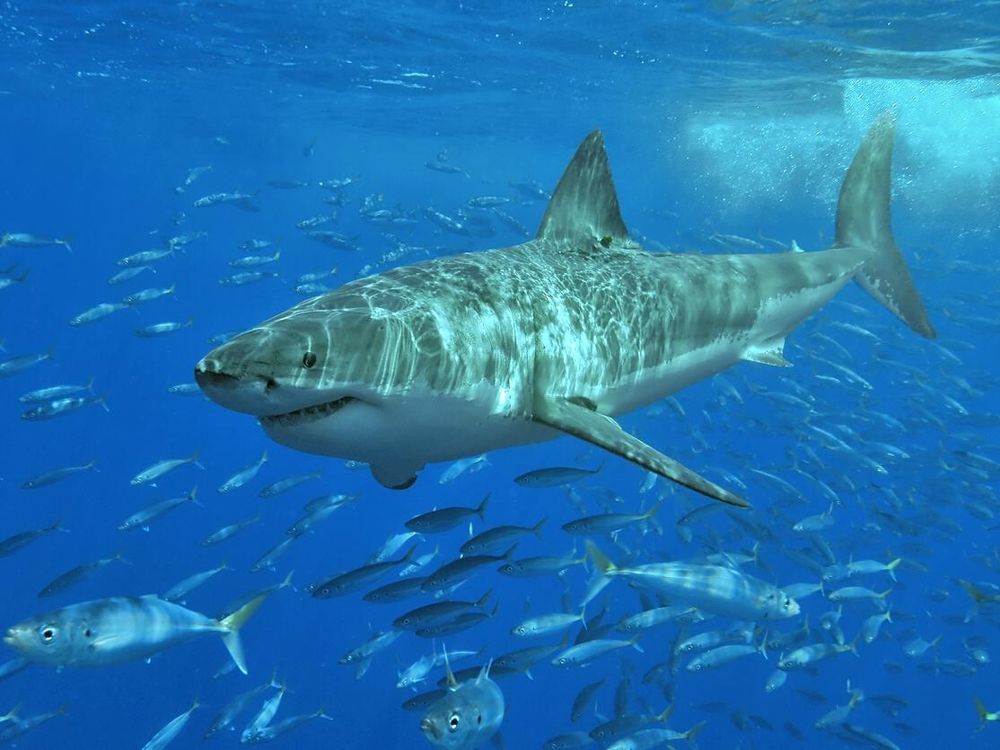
x=393, y=478
x=772, y=354
x=585, y=423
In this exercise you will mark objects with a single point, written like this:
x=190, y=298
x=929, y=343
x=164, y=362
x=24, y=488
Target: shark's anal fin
x=772, y=354
x=594, y=427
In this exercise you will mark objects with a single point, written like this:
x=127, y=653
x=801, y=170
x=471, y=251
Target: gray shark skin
x=460, y=355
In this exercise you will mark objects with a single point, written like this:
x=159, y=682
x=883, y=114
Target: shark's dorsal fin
x=585, y=203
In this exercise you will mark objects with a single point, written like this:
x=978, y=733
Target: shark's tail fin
x=863, y=221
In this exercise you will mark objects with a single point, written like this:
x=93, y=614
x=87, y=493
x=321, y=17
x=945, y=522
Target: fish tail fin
x=602, y=564
x=194, y=459
x=481, y=508
x=232, y=623
x=537, y=528
x=481, y=601
x=452, y=682
x=980, y=709
x=692, y=734
x=853, y=646
x=193, y=496
x=891, y=567
x=634, y=643
x=12, y=714
x=652, y=511
x=665, y=714
x=863, y=221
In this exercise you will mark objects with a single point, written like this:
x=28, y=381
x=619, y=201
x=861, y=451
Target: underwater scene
x=614, y=375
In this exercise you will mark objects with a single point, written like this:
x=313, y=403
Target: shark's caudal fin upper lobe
x=863, y=221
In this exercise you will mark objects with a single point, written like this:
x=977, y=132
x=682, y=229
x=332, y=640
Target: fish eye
x=308, y=359
x=453, y=722
x=48, y=634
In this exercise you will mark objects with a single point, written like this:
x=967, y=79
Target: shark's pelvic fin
x=394, y=480
x=604, y=432
x=585, y=203
x=863, y=221
x=771, y=354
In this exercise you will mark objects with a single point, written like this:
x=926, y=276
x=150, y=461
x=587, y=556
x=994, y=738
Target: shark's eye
x=453, y=722
x=308, y=359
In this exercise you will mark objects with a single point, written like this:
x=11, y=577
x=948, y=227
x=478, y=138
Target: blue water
x=732, y=119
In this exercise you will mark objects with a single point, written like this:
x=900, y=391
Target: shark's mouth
x=308, y=413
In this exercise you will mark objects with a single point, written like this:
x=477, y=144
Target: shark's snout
x=247, y=394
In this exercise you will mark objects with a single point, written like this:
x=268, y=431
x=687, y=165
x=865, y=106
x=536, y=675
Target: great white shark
x=468, y=353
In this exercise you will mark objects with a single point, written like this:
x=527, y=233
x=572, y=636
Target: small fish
x=352, y=580
x=56, y=475
x=143, y=258
x=161, y=329
x=267, y=560
x=467, y=716
x=169, y=733
x=107, y=631
x=468, y=465
x=74, y=575
x=61, y=407
x=14, y=365
x=273, y=731
x=193, y=174
x=178, y=591
x=157, y=470
x=437, y=612
x=556, y=476
x=456, y=571
x=584, y=699
x=495, y=538
x=247, y=277
x=372, y=646
x=24, y=239
x=545, y=624
x=250, y=261
x=128, y=273
x=97, y=312
x=22, y=539
x=142, y=518
x=240, y=200
x=264, y=715
x=284, y=485
x=227, y=531
x=539, y=566
x=244, y=475
x=816, y=652
x=225, y=718
x=53, y=392
x=333, y=239
x=148, y=295
x=606, y=523
x=444, y=519
x=184, y=389
x=583, y=653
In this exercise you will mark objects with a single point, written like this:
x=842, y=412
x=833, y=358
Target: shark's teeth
x=309, y=413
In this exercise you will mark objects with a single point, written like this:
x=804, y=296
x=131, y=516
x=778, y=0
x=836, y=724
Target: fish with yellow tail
x=117, y=629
